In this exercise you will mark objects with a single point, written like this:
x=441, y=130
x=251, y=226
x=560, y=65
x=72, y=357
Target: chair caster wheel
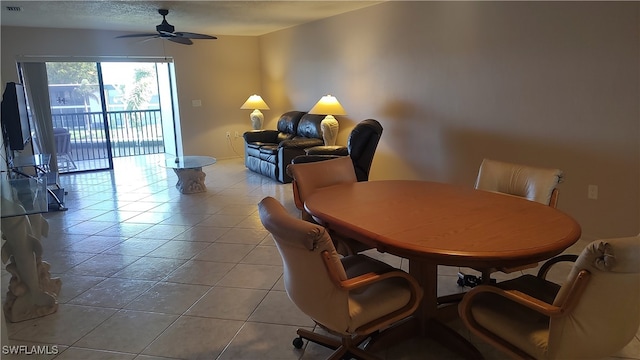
x=297, y=343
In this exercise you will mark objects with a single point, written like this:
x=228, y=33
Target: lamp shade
x=255, y=102
x=328, y=105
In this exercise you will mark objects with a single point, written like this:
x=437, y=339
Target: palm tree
x=136, y=96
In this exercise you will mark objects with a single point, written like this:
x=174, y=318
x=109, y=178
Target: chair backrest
x=362, y=144
x=308, y=177
x=607, y=314
x=62, y=139
x=306, y=277
x=533, y=183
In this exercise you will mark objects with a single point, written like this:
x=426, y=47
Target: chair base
x=345, y=349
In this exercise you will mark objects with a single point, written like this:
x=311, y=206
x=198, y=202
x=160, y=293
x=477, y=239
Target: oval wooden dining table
x=434, y=224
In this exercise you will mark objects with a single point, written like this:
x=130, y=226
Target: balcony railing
x=131, y=133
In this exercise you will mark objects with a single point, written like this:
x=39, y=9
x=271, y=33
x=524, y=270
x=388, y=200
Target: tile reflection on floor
x=149, y=273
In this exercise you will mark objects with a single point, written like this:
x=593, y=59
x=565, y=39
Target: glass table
x=189, y=172
x=37, y=167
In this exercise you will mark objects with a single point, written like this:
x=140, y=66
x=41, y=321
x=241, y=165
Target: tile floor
x=149, y=273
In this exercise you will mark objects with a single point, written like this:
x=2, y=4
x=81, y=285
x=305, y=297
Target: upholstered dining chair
x=361, y=148
x=308, y=177
x=532, y=183
x=351, y=297
x=594, y=314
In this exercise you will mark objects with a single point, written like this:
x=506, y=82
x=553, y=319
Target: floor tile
x=64, y=327
x=74, y=285
x=103, y=265
x=74, y=353
x=202, y=233
x=243, y=236
x=127, y=331
x=252, y=276
x=168, y=298
x=95, y=244
x=263, y=255
x=161, y=231
x=135, y=247
x=228, y=303
x=178, y=249
x=276, y=308
x=262, y=341
x=125, y=229
x=149, y=268
x=194, y=338
x=224, y=252
x=112, y=293
x=200, y=272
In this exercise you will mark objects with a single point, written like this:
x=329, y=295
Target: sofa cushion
x=309, y=126
x=259, y=144
x=288, y=122
x=269, y=153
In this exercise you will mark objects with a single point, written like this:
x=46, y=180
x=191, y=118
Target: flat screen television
x=15, y=117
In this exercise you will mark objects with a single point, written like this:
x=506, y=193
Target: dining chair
x=593, y=314
x=309, y=177
x=532, y=183
x=351, y=297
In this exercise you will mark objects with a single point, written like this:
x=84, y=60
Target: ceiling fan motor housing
x=164, y=26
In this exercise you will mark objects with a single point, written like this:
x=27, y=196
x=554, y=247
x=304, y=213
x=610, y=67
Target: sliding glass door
x=79, y=120
x=102, y=110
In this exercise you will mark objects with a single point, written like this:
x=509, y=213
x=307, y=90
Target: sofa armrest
x=300, y=143
x=328, y=150
x=264, y=136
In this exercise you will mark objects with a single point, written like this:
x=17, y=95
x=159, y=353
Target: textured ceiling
x=217, y=18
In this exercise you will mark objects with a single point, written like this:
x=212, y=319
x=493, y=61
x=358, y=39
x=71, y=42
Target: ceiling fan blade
x=135, y=35
x=179, y=40
x=167, y=34
x=194, y=35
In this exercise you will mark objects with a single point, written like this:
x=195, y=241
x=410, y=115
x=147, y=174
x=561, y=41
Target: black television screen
x=15, y=117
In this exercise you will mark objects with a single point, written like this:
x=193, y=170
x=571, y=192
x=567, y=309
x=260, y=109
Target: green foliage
x=72, y=72
x=140, y=92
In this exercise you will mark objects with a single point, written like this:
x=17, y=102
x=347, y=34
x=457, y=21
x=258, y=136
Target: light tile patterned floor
x=149, y=273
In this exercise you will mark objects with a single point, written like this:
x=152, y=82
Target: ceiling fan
x=167, y=31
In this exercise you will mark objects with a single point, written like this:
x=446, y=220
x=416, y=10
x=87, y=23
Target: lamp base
x=257, y=119
x=330, y=127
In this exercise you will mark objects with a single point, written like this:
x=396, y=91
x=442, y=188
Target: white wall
x=552, y=84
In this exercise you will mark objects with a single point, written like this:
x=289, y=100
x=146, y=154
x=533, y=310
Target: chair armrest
x=368, y=278
x=513, y=295
x=300, y=143
x=571, y=299
x=544, y=269
x=265, y=136
x=328, y=150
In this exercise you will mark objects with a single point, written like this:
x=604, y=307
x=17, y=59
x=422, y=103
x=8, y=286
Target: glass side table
x=189, y=171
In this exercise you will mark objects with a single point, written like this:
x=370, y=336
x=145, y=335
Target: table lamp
x=329, y=106
x=256, y=103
